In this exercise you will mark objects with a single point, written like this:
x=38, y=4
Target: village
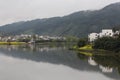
x=30, y=38
x=105, y=33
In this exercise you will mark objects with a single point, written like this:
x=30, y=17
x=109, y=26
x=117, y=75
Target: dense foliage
x=77, y=24
x=107, y=43
x=82, y=42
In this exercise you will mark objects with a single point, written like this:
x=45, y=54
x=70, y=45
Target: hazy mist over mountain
x=23, y=10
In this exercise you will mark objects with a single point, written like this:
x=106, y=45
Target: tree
x=82, y=42
x=107, y=43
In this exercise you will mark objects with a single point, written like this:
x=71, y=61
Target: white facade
x=105, y=32
x=93, y=36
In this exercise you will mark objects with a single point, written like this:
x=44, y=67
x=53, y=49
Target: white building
x=104, y=33
x=93, y=36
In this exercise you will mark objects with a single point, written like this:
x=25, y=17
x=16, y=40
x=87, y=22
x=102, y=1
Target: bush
x=107, y=43
x=82, y=42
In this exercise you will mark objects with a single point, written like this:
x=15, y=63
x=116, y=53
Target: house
x=105, y=32
x=93, y=36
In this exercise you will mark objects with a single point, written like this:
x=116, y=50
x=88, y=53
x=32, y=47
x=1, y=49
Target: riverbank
x=89, y=51
x=39, y=43
x=86, y=47
x=12, y=43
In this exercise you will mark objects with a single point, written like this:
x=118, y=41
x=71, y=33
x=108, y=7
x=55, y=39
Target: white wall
x=105, y=32
x=93, y=36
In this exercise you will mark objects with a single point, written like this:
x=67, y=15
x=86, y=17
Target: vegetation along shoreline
x=107, y=41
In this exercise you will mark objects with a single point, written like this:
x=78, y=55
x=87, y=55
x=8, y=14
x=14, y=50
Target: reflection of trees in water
x=82, y=56
x=55, y=55
x=111, y=61
x=31, y=48
x=89, y=59
x=119, y=70
x=106, y=63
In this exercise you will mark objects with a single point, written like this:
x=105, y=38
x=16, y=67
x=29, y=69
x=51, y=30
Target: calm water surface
x=55, y=63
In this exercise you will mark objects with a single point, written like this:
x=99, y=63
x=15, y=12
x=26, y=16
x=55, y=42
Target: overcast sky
x=20, y=10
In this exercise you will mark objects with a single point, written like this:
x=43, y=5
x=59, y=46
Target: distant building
x=93, y=36
x=105, y=32
x=30, y=38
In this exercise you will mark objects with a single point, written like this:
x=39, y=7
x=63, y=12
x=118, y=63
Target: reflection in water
x=60, y=55
x=32, y=48
x=106, y=69
x=108, y=64
x=91, y=61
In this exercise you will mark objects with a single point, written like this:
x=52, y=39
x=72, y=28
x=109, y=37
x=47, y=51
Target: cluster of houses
x=29, y=37
x=105, y=32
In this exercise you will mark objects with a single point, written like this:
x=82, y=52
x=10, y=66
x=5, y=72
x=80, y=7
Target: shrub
x=82, y=42
x=107, y=43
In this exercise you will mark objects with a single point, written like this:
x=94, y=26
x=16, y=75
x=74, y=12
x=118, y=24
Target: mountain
x=78, y=24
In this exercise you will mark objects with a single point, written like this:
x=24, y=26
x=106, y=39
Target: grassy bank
x=12, y=43
x=86, y=53
x=86, y=47
x=89, y=51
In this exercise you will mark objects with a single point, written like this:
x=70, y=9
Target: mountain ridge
x=76, y=24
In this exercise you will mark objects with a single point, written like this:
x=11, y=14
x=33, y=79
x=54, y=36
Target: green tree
x=82, y=42
x=107, y=43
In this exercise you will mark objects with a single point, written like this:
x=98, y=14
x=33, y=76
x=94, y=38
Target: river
x=44, y=62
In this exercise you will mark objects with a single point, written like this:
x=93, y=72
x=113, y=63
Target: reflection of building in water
x=24, y=49
x=32, y=46
x=9, y=49
x=39, y=48
x=106, y=69
x=91, y=61
x=47, y=49
x=42, y=48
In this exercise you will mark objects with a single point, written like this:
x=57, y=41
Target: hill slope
x=76, y=24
